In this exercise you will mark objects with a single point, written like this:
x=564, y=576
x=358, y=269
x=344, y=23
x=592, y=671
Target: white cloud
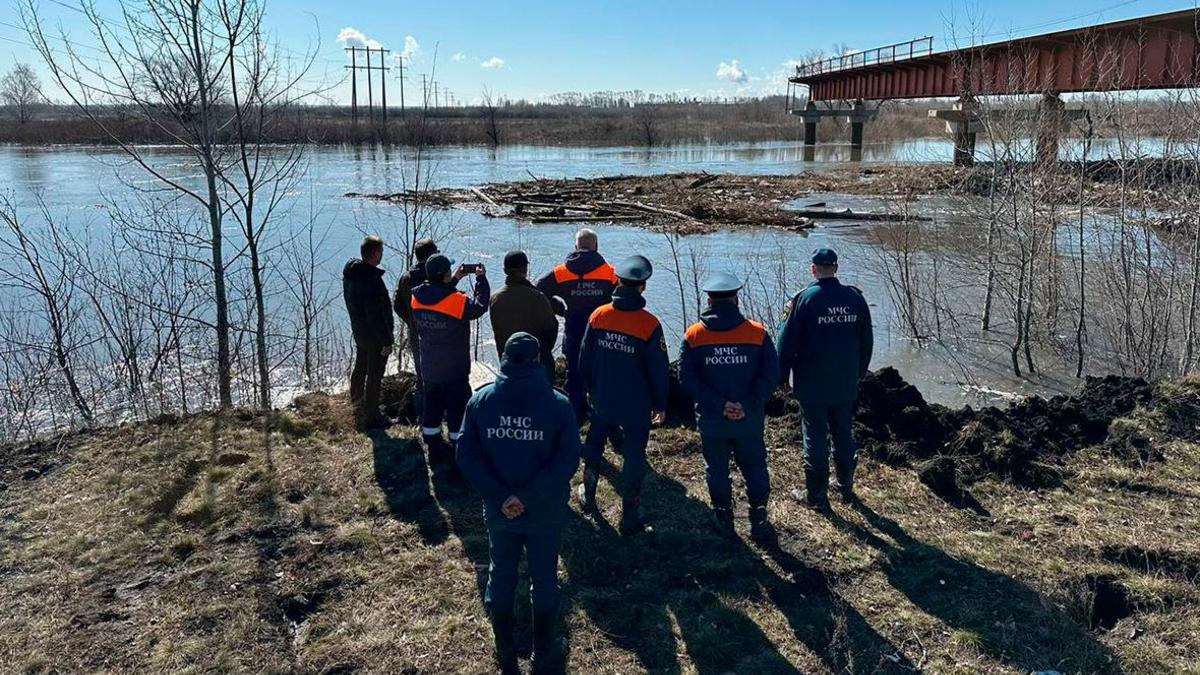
x=493, y=63
x=353, y=37
x=412, y=48
x=458, y=57
x=732, y=72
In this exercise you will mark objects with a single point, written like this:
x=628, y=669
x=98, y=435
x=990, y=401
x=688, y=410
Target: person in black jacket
x=402, y=301
x=519, y=449
x=371, y=323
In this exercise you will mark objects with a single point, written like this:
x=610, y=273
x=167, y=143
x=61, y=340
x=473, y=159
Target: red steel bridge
x=1152, y=52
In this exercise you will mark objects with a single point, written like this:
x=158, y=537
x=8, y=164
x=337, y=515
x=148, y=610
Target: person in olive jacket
x=519, y=449
x=366, y=298
x=521, y=308
x=824, y=350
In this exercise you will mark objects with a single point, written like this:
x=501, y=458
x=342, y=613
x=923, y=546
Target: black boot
x=586, y=492
x=435, y=448
x=722, y=515
x=761, y=530
x=548, y=654
x=506, y=652
x=845, y=476
x=633, y=517
x=816, y=491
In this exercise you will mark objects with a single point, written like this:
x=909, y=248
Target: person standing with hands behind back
x=366, y=298
x=519, y=449
x=728, y=366
x=623, y=361
x=443, y=317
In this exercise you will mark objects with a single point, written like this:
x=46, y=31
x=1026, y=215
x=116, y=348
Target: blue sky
x=534, y=48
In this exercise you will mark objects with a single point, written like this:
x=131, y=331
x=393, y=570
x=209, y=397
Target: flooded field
x=77, y=183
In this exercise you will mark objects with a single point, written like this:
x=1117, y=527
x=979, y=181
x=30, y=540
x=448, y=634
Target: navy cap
x=438, y=266
x=824, y=256
x=515, y=260
x=635, y=268
x=521, y=347
x=721, y=284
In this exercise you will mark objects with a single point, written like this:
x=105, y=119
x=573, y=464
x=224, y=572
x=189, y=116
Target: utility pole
x=400, y=64
x=383, y=85
x=353, y=83
x=424, y=91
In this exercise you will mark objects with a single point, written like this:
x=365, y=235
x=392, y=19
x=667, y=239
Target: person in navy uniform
x=728, y=366
x=576, y=288
x=519, y=449
x=443, y=317
x=824, y=349
x=623, y=361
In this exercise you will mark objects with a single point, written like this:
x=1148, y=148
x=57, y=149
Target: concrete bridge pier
x=1051, y=119
x=964, y=124
x=857, y=115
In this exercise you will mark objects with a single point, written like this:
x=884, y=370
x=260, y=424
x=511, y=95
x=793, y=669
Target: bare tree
x=20, y=90
x=491, y=125
x=202, y=75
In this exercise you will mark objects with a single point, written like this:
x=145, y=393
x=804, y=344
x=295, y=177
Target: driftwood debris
x=847, y=214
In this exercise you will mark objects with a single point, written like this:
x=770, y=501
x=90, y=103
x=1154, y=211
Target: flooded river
x=77, y=182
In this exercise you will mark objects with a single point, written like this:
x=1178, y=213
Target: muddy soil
x=1026, y=442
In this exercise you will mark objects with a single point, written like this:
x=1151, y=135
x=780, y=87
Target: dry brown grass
x=291, y=544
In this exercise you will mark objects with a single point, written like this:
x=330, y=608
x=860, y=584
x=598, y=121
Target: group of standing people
x=517, y=440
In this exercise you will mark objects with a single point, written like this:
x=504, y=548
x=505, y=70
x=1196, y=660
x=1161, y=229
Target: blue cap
x=437, y=266
x=521, y=347
x=824, y=256
x=722, y=284
x=635, y=268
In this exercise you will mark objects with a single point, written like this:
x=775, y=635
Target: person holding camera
x=443, y=315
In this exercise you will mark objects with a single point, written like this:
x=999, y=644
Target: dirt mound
x=1022, y=442
x=398, y=397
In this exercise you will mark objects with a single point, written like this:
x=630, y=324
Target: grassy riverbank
x=288, y=543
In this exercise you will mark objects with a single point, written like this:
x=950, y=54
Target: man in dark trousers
x=443, y=317
x=402, y=300
x=577, y=287
x=824, y=349
x=521, y=308
x=728, y=365
x=371, y=323
x=623, y=361
x=519, y=449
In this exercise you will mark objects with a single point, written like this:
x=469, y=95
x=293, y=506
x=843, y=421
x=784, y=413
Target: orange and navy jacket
x=443, y=319
x=624, y=360
x=584, y=283
x=728, y=358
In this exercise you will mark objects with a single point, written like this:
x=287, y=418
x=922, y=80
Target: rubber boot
x=845, y=476
x=723, y=517
x=761, y=530
x=816, y=491
x=506, y=651
x=435, y=448
x=548, y=654
x=633, y=516
x=586, y=492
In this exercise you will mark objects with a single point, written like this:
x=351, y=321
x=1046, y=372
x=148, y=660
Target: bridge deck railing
x=901, y=51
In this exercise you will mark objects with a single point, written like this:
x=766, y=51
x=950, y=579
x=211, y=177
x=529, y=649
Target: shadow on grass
x=403, y=477
x=684, y=575
x=1014, y=624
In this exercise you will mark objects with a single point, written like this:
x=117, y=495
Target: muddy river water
x=76, y=182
